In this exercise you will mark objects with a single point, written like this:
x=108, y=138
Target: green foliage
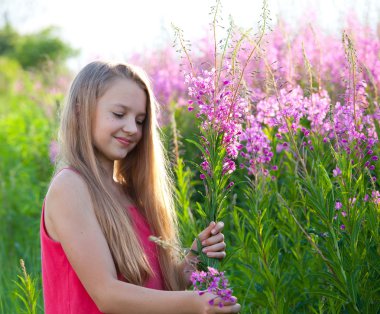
x=183, y=193
x=26, y=292
x=26, y=129
x=295, y=250
x=8, y=39
x=35, y=50
x=290, y=252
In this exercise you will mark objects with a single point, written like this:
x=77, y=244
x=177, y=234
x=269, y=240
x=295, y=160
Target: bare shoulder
x=67, y=184
x=67, y=197
x=70, y=219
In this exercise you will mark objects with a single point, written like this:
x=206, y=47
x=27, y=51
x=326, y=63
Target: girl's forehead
x=125, y=93
x=120, y=83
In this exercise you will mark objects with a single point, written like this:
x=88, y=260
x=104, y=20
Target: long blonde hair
x=143, y=174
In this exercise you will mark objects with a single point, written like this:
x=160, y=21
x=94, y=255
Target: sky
x=114, y=29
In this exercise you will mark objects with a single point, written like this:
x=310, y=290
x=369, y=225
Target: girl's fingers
x=218, y=255
x=229, y=308
x=206, y=233
x=220, y=246
x=212, y=229
x=210, y=235
x=213, y=240
x=217, y=228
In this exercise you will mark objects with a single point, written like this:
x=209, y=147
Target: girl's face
x=118, y=120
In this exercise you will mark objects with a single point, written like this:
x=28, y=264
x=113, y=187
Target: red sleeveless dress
x=62, y=290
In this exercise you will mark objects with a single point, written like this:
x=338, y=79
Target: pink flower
x=376, y=197
x=337, y=172
x=214, y=282
x=338, y=205
x=219, y=109
x=53, y=151
x=282, y=146
x=258, y=151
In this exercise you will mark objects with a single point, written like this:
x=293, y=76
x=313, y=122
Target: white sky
x=115, y=28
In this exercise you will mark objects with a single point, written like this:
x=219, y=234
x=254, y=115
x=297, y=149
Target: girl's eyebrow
x=128, y=108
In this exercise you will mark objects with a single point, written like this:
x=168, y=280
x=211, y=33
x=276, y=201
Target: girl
x=109, y=193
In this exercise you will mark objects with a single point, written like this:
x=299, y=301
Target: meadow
x=275, y=132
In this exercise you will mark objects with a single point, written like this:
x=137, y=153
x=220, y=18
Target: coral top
x=62, y=290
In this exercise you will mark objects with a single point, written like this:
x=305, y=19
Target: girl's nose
x=130, y=127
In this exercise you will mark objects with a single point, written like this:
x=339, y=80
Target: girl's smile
x=123, y=141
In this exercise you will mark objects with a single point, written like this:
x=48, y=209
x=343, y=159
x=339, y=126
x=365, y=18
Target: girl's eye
x=118, y=115
x=140, y=122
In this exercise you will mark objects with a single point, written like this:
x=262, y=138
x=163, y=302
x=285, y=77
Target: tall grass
x=26, y=130
x=303, y=223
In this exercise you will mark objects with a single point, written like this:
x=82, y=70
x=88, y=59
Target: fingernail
x=213, y=231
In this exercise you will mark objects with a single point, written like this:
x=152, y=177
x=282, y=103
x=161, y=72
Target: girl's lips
x=123, y=141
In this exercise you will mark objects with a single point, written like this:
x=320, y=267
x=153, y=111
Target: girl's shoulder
x=67, y=197
x=67, y=182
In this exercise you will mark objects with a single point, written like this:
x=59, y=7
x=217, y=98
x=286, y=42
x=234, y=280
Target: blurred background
x=117, y=28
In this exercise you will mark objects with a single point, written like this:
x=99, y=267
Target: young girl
x=109, y=194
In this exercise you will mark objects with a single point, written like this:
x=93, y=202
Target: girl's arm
x=70, y=219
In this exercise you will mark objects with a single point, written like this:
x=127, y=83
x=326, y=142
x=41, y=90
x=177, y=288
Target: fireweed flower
x=219, y=111
x=367, y=48
x=167, y=80
x=352, y=125
x=376, y=197
x=283, y=111
x=337, y=172
x=257, y=149
x=214, y=282
x=53, y=151
x=282, y=146
x=338, y=205
x=317, y=106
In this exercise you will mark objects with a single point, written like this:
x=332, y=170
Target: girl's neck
x=114, y=187
x=108, y=169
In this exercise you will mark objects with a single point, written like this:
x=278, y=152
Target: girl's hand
x=205, y=307
x=212, y=240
